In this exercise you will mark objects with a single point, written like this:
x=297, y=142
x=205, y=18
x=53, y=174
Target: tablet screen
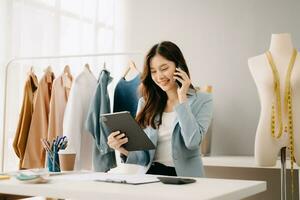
x=125, y=123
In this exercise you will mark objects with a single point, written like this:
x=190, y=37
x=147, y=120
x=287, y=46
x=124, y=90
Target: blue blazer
x=192, y=120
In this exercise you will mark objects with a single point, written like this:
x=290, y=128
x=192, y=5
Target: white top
x=79, y=139
x=204, y=188
x=163, y=153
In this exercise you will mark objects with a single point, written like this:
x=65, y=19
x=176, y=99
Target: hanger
x=31, y=70
x=49, y=73
x=67, y=79
x=88, y=67
x=67, y=71
x=32, y=77
x=130, y=67
x=104, y=66
x=208, y=88
x=48, y=69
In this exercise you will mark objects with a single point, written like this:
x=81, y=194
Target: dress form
x=267, y=147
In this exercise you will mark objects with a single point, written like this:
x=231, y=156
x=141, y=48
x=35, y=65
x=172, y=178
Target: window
x=52, y=27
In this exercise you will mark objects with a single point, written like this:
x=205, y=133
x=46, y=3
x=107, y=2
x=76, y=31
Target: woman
x=174, y=116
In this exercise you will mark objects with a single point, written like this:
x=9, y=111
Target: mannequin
x=267, y=146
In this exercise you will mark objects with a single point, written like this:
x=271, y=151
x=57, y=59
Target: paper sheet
x=105, y=177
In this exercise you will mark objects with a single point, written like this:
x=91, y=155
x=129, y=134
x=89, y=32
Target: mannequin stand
x=283, y=173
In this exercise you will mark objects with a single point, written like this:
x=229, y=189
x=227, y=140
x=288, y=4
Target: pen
x=115, y=181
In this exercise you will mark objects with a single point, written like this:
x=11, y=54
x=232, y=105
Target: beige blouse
x=60, y=93
x=20, y=140
x=34, y=156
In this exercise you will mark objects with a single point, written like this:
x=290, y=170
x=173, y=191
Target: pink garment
x=60, y=93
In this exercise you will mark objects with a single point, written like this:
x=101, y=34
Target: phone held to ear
x=178, y=82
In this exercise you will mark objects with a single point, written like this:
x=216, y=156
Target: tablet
x=125, y=123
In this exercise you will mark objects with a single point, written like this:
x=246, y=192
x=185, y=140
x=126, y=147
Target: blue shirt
x=126, y=95
x=103, y=156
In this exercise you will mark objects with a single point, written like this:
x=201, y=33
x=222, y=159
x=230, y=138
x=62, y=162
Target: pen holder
x=49, y=161
x=53, y=162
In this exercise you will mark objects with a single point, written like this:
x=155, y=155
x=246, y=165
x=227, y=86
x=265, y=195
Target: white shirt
x=163, y=153
x=79, y=139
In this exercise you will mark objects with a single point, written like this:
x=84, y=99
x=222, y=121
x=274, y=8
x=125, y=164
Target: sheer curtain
x=48, y=27
x=53, y=27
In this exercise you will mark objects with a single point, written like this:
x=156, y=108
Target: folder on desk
x=128, y=179
x=135, y=179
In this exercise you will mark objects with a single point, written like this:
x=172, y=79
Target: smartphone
x=178, y=82
x=175, y=180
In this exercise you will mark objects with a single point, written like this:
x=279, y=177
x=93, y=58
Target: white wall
x=217, y=37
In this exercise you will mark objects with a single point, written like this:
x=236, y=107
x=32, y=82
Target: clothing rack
x=42, y=58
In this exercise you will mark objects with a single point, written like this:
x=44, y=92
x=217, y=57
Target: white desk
x=204, y=188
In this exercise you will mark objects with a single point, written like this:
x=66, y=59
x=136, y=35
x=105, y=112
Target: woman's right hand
x=115, y=141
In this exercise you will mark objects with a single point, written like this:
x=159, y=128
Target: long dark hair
x=155, y=98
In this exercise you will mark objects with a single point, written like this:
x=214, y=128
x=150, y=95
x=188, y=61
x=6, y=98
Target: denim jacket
x=103, y=157
x=191, y=123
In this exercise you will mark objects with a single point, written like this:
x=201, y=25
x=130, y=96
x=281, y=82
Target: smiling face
x=162, y=72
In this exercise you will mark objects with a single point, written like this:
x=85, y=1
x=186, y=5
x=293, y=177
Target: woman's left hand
x=184, y=79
